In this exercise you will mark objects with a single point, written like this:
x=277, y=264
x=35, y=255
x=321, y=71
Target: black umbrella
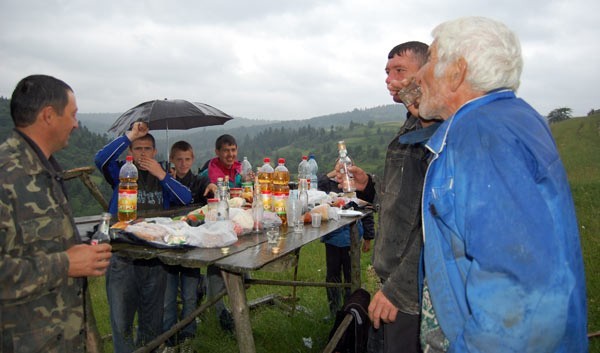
x=170, y=114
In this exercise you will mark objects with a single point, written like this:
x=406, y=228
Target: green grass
x=274, y=330
x=578, y=141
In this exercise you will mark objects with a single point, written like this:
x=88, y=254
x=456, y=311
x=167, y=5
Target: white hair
x=492, y=52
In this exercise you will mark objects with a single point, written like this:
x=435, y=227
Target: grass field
x=275, y=331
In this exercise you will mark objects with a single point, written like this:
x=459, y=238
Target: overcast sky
x=277, y=59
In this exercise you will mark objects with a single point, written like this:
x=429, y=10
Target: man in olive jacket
x=43, y=264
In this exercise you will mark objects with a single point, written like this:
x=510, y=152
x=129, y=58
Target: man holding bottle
x=394, y=309
x=138, y=285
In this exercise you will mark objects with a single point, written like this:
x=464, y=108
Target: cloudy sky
x=277, y=59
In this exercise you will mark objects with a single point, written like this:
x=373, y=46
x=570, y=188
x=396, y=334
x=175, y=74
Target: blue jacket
x=502, y=254
x=173, y=192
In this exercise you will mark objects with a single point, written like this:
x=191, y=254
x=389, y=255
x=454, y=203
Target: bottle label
x=279, y=201
x=127, y=201
x=266, y=197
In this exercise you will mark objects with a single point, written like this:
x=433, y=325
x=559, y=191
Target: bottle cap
x=281, y=161
x=305, y=158
x=212, y=200
x=129, y=158
x=267, y=160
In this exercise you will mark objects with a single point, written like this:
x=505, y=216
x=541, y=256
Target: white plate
x=349, y=213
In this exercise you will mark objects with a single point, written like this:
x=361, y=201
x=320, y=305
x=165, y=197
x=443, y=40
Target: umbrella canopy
x=170, y=114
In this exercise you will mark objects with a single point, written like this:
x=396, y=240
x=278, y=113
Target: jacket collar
x=437, y=142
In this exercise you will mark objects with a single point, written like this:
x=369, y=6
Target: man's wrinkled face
x=399, y=67
x=227, y=154
x=182, y=160
x=434, y=90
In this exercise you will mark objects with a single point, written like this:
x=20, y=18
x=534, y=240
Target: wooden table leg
x=240, y=311
x=354, y=257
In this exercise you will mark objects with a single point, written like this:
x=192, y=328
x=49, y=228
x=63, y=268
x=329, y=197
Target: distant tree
x=560, y=114
x=371, y=124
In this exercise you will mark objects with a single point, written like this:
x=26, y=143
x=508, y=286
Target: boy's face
x=182, y=160
x=142, y=148
x=227, y=155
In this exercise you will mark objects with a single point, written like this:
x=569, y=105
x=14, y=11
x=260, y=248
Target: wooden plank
x=240, y=311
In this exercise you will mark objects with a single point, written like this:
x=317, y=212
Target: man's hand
x=153, y=167
x=381, y=309
x=366, y=245
x=88, y=260
x=361, y=178
x=139, y=129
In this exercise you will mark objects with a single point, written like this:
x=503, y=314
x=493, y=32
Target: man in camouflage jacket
x=43, y=264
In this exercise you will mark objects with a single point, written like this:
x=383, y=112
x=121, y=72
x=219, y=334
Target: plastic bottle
x=265, y=179
x=101, y=235
x=303, y=171
x=281, y=178
x=346, y=162
x=314, y=169
x=128, y=191
x=246, y=170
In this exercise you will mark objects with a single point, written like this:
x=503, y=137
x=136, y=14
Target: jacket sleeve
x=174, y=192
x=518, y=283
x=107, y=159
x=368, y=194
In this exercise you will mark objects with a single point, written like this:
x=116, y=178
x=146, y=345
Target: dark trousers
x=338, y=262
x=401, y=335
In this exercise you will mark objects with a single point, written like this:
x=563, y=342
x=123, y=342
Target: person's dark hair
x=34, y=93
x=225, y=140
x=147, y=137
x=418, y=49
x=181, y=146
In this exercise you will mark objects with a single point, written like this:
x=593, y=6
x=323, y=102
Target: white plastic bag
x=212, y=235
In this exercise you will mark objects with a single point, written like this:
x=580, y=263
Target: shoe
x=226, y=321
x=187, y=346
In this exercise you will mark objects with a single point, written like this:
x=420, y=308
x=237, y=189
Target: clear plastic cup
x=316, y=220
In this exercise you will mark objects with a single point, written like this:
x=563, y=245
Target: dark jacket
x=399, y=239
x=197, y=185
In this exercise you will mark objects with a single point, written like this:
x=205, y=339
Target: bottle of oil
x=281, y=178
x=128, y=191
x=265, y=179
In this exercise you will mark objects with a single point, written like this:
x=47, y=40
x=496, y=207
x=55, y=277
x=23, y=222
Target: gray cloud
x=277, y=59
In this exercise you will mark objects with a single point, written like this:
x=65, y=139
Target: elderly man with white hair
x=502, y=257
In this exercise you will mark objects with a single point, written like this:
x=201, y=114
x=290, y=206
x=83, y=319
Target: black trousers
x=400, y=336
x=338, y=262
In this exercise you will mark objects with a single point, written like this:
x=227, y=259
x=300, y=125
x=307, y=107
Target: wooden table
x=250, y=253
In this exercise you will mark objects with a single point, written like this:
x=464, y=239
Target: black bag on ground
x=354, y=339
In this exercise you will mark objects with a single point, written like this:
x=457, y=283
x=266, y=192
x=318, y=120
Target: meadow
x=307, y=330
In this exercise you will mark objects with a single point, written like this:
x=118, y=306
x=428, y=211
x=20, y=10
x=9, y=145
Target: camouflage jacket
x=41, y=308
